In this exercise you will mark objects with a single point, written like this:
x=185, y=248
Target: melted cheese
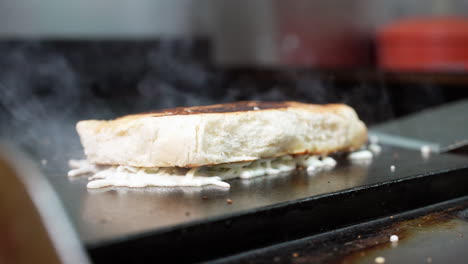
x=361, y=155
x=120, y=176
x=208, y=175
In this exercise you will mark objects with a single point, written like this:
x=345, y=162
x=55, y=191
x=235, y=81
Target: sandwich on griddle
x=195, y=146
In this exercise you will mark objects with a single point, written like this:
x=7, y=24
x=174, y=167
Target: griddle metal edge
x=228, y=235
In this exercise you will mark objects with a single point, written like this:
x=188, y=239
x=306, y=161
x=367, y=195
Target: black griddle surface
x=447, y=123
x=116, y=214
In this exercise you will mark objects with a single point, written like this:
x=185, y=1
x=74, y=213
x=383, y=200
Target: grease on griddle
x=351, y=246
x=377, y=239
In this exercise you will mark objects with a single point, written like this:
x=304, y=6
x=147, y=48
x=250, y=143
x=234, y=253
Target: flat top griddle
x=120, y=214
x=447, y=123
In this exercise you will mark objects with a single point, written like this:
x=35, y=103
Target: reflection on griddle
x=136, y=210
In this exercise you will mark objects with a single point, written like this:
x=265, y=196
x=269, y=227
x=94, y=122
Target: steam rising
x=39, y=91
x=46, y=87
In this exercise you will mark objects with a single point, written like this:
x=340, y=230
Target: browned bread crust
x=242, y=106
x=222, y=133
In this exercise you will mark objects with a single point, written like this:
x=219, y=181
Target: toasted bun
x=207, y=135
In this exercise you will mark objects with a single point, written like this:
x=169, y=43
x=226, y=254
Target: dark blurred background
x=61, y=62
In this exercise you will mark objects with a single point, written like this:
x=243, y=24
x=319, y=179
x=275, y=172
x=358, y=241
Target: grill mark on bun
x=243, y=106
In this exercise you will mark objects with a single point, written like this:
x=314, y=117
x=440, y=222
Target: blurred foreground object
x=33, y=225
x=425, y=44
